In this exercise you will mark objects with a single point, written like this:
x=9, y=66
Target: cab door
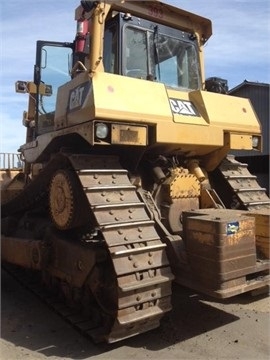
x=52, y=68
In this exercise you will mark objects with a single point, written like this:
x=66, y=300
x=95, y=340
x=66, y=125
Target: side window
x=52, y=69
x=54, y=72
x=110, y=50
x=135, y=53
x=193, y=77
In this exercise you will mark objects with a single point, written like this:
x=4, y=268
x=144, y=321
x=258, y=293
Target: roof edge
x=248, y=83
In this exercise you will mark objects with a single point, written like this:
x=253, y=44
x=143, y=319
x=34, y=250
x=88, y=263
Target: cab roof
x=165, y=14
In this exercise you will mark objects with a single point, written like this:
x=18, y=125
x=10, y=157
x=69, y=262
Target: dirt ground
x=197, y=328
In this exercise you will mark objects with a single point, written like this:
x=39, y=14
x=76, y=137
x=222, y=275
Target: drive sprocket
x=64, y=199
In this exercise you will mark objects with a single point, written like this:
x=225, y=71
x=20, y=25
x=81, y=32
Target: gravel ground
x=197, y=328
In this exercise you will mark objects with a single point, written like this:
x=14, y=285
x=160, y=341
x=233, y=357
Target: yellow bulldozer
x=127, y=184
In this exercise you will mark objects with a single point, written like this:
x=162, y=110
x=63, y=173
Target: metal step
x=232, y=177
x=137, y=250
x=146, y=282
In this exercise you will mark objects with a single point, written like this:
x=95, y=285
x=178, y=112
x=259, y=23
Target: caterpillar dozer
x=126, y=183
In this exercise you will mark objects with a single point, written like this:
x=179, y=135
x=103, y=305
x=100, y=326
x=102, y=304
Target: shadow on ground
x=28, y=323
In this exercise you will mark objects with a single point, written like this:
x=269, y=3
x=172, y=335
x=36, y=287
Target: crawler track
x=139, y=289
x=238, y=188
x=142, y=270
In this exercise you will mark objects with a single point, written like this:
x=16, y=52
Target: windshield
x=149, y=54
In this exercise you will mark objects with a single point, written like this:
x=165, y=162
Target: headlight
x=255, y=142
x=101, y=131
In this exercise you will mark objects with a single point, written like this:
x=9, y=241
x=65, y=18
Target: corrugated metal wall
x=258, y=93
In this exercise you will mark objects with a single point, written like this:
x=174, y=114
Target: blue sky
x=239, y=48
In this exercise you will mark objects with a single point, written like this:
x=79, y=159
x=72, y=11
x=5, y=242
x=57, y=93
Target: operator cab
x=143, y=49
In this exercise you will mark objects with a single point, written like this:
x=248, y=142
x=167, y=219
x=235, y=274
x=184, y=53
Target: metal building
x=258, y=163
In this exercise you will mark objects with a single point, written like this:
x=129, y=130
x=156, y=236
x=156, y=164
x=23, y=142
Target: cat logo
x=77, y=96
x=183, y=107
